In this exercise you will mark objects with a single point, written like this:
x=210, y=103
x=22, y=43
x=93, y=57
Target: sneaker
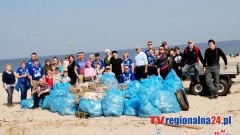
x=215, y=96
x=10, y=105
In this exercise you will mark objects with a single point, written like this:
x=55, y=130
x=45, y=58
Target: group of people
x=157, y=62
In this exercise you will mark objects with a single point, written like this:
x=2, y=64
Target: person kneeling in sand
x=108, y=71
x=40, y=92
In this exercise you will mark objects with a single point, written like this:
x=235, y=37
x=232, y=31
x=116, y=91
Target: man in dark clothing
x=178, y=62
x=212, y=67
x=191, y=56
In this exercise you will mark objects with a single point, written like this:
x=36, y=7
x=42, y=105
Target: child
x=98, y=71
x=65, y=77
x=49, y=79
x=108, y=71
x=56, y=76
x=89, y=72
x=60, y=67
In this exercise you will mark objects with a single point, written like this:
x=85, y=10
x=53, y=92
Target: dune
x=19, y=121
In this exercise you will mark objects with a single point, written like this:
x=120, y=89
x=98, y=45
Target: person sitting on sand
x=127, y=76
x=108, y=71
x=40, y=92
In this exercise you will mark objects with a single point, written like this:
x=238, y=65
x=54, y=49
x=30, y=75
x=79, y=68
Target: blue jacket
x=23, y=80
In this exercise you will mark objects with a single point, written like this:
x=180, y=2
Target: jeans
x=10, y=94
x=212, y=72
x=186, y=70
x=23, y=89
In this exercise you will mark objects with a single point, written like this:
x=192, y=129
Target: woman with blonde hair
x=8, y=79
x=23, y=83
x=127, y=62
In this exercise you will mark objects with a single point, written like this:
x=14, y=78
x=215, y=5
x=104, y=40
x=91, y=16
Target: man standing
x=178, y=62
x=36, y=73
x=141, y=64
x=165, y=47
x=98, y=65
x=191, y=56
x=212, y=67
x=150, y=47
x=30, y=63
x=80, y=66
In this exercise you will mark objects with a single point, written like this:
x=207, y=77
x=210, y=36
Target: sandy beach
x=17, y=121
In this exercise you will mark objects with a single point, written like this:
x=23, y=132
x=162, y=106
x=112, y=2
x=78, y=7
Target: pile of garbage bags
x=59, y=100
x=149, y=97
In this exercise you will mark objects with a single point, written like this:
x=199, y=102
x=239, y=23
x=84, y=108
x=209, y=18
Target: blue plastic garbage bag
x=27, y=103
x=131, y=95
x=113, y=103
x=131, y=106
x=60, y=89
x=93, y=107
x=56, y=104
x=109, y=80
x=61, y=85
x=146, y=109
x=133, y=89
x=46, y=102
x=165, y=100
x=172, y=82
x=67, y=105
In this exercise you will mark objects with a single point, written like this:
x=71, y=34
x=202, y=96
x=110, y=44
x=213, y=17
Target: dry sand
x=42, y=122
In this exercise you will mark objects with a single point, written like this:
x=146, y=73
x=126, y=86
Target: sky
x=53, y=27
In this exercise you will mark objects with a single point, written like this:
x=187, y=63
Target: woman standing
x=71, y=72
x=47, y=66
x=8, y=79
x=23, y=80
x=55, y=62
x=127, y=62
x=107, y=58
x=116, y=65
x=162, y=63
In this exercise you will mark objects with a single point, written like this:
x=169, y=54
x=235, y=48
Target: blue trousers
x=10, y=94
x=23, y=89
